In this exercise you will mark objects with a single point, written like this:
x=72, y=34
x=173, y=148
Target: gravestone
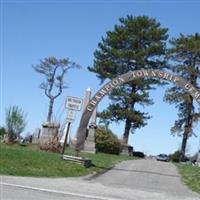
x=36, y=136
x=198, y=158
x=89, y=145
x=127, y=150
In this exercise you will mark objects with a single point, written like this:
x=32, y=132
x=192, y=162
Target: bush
x=175, y=156
x=51, y=146
x=2, y=131
x=107, y=142
x=138, y=154
x=15, y=122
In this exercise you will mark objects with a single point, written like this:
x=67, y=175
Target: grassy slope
x=30, y=161
x=190, y=176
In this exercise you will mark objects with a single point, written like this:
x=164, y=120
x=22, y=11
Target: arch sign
x=131, y=75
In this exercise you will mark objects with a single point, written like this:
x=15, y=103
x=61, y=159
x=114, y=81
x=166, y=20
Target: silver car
x=162, y=157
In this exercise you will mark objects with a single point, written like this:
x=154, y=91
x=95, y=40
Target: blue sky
x=32, y=30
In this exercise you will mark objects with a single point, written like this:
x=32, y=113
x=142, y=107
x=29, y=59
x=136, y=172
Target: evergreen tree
x=136, y=43
x=184, y=55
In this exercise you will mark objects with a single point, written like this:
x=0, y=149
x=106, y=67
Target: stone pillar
x=90, y=141
x=49, y=132
x=89, y=145
x=126, y=150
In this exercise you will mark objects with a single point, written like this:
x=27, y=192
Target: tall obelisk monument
x=89, y=145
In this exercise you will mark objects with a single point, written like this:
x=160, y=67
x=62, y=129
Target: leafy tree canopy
x=184, y=56
x=135, y=43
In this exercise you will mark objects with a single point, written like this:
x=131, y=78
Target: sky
x=34, y=29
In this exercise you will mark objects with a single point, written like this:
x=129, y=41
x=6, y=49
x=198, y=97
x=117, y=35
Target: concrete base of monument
x=49, y=132
x=89, y=145
x=127, y=150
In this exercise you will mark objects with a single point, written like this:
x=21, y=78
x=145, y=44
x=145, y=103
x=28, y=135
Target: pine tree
x=184, y=56
x=136, y=43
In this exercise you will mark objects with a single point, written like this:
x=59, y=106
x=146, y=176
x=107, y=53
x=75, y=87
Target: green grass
x=30, y=161
x=190, y=176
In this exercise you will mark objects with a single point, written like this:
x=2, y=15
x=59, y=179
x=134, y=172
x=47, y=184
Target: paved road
x=130, y=180
x=147, y=175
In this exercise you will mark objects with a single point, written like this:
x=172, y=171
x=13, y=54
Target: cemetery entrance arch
x=131, y=75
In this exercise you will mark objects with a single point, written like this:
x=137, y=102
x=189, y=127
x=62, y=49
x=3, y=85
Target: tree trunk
x=50, y=112
x=187, y=129
x=183, y=145
x=126, y=131
x=128, y=122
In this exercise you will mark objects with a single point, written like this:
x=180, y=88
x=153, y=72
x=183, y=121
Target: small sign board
x=71, y=114
x=74, y=103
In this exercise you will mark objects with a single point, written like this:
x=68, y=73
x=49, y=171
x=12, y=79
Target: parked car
x=138, y=154
x=162, y=157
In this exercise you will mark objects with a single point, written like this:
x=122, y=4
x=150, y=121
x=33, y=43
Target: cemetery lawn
x=28, y=160
x=190, y=176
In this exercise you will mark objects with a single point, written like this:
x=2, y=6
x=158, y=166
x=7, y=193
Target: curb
x=97, y=174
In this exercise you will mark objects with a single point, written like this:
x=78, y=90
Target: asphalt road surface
x=129, y=180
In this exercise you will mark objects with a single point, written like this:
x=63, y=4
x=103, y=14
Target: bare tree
x=54, y=71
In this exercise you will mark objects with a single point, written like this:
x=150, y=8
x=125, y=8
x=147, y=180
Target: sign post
x=66, y=136
x=73, y=104
x=71, y=114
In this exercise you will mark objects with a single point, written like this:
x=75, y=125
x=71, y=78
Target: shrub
x=52, y=146
x=2, y=131
x=107, y=142
x=175, y=156
x=15, y=122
